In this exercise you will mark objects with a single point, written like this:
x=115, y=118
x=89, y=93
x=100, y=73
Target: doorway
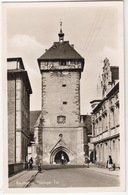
x=58, y=155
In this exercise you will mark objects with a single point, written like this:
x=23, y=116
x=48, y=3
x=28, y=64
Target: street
x=74, y=177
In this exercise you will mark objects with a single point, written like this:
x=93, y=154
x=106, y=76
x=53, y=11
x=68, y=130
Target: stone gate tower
x=62, y=132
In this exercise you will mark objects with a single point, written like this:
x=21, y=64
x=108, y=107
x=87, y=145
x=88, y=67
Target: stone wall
x=25, y=121
x=25, y=109
x=61, y=116
x=61, y=97
x=15, y=168
x=72, y=143
x=11, y=120
x=18, y=119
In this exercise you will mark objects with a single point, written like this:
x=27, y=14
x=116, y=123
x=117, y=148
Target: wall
x=72, y=140
x=18, y=118
x=54, y=94
x=15, y=168
x=11, y=119
x=106, y=129
x=59, y=118
x=25, y=120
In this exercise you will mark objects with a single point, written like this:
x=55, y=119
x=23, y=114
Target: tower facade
x=62, y=132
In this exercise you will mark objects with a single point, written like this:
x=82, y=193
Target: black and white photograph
x=64, y=96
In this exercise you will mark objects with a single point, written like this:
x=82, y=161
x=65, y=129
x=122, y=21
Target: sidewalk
x=22, y=179
x=104, y=171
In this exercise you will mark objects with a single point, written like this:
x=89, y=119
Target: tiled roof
x=33, y=117
x=61, y=51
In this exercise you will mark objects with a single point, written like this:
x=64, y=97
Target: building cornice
x=112, y=91
x=20, y=72
x=105, y=139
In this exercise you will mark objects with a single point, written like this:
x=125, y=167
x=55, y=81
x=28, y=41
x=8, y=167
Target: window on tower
x=64, y=102
x=63, y=63
x=64, y=85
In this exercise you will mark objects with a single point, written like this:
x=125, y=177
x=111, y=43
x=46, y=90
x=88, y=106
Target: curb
x=30, y=180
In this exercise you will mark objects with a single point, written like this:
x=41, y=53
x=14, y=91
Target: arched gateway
x=55, y=156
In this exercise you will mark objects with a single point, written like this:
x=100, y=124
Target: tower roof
x=61, y=51
x=63, y=54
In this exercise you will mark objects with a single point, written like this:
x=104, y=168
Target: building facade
x=105, y=118
x=87, y=132
x=19, y=90
x=62, y=130
x=35, y=147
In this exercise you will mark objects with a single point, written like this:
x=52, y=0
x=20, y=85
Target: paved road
x=74, y=177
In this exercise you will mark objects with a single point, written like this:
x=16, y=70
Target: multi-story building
x=19, y=90
x=87, y=132
x=62, y=130
x=105, y=118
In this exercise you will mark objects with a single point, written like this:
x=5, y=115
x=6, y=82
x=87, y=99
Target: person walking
x=30, y=163
x=110, y=163
x=62, y=159
x=39, y=167
x=38, y=162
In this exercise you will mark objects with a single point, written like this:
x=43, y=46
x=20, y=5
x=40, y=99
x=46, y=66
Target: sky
x=95, y=29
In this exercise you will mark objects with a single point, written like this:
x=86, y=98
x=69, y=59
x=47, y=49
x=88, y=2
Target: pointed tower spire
x=61, y=34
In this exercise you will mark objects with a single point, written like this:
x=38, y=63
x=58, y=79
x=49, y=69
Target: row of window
x=101, y=115
x=102, y=124
x=61, y=63
x=113, y=103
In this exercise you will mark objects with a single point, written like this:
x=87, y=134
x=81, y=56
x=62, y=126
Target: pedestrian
x=87, y=161
x=30, y=163
x=39, y=167
x=110, y=163
x=38, y=162
x=62, y=159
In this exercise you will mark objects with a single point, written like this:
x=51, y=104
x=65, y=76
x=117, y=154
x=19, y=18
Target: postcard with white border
x=63, y=89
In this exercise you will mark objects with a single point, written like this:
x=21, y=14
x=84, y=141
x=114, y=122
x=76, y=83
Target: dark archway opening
x=58, y=157
x=91, y=157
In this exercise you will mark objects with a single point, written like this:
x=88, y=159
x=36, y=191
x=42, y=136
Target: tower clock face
x=61, y=75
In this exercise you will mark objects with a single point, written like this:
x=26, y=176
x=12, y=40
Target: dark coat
x=109, y=161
